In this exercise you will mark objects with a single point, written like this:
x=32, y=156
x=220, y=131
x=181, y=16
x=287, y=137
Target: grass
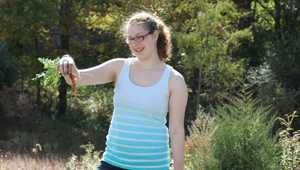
x=27, y=162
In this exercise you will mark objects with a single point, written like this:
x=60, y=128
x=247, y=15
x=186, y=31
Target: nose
x=133, y=42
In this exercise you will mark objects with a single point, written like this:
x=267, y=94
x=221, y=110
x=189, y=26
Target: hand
x=66, y=64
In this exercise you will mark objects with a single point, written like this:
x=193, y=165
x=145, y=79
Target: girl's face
x=146, y=47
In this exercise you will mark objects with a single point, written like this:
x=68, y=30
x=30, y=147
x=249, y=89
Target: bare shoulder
x=176, y=81
x=117, y=62
x=176, y=77
x=117, y=65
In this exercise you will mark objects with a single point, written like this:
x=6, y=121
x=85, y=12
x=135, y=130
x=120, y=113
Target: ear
x=155, y=35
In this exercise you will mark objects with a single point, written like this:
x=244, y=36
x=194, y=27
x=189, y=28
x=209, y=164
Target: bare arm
x=177, y=105
x=103, y=73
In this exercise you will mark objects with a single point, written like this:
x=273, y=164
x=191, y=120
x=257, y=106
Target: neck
x=150, y=63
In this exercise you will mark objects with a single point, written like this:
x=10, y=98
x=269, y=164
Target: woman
x=146, y=89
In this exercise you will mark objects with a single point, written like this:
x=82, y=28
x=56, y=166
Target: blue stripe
x=139, y=128
x=138, y=137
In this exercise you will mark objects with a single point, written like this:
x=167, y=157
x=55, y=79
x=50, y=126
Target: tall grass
x=26, y=162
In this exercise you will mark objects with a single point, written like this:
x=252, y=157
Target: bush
x=290, y=144
x=271, y=91
x=198, y=148
x=89, y=161
x=15, y=103
x=243, y=139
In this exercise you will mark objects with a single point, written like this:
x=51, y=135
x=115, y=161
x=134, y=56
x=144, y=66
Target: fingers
x=65, y=65
x=71, y=64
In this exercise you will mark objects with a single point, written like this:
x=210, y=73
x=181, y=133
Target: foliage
x=89, y=161
x=24, y=28
x=206, y=47
x=208, y=37
x=199, y=146
x=16, y=104
x=95, y=110
x=264, y=19
x=290, y=144
x=270, y=91
x=274, y=24
x=283, y=60
x=49, y=75
x=244, y=137
x=8, y=67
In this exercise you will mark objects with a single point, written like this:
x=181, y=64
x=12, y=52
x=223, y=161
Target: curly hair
x=152, y=23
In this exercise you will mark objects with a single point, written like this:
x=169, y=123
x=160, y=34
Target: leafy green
x=49, y=74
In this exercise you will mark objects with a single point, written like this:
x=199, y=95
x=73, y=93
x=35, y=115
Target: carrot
x=72, y=77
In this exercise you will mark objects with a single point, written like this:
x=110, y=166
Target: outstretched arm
x=103, y=73
x=177, y=106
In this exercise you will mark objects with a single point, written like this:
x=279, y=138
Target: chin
x=141, y=57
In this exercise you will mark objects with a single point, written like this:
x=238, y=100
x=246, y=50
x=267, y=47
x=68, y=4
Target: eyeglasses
x=137, y=38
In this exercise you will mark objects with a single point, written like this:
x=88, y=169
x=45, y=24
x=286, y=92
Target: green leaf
x=49, y=74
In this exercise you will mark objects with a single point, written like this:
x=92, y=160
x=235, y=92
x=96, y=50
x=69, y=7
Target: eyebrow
x=136, y=34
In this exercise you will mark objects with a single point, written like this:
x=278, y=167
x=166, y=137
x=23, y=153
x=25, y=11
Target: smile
x=139, y=49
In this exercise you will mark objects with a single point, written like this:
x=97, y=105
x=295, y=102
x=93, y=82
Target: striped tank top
x=138, y=137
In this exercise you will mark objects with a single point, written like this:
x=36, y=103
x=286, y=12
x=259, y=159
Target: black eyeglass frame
x=129, y=41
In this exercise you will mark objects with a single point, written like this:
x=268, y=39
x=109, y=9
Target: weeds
x=25, y=162
x=89, y=161
x=198, y=145
x=243, y=139
x=290, y=144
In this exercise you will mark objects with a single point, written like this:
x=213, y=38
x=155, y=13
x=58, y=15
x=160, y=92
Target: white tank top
x=138, y=137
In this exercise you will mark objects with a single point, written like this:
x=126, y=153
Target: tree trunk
x=277, y=19
x=38, y=95
x=65, y=33
x=199, y=86
x=62, y=103
x=253, y=14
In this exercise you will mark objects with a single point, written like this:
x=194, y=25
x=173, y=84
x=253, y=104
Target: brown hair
x=152, y=23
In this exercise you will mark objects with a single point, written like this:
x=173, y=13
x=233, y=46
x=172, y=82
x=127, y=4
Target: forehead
x=135, y=29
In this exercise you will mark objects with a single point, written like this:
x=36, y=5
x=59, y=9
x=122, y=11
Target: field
x=26, y=162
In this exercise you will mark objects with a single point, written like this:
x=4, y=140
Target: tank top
x=138, y=137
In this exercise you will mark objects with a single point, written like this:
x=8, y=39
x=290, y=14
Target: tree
x=24, y=29
x=8, y=71
x=207, y=45
x=275, y=31
x=8, y=67
x=243, y=139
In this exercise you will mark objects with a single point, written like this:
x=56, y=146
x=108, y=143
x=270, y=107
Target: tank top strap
x=166, y=75
x=127, y=66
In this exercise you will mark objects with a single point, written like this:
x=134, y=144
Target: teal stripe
x=147, y=121
x=139, y=113
x=135, y=143
x=162, y=161
x=137, y=167
x=129, y=154
x=129, y=106
x=139, y=104
x=138, y=137
x=140, y=128
x=133, y=160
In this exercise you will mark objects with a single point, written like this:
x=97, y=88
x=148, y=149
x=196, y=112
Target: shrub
x=16, y=103
x=198, y=149
x=290, y=144
x=89, y=161
x=243, y=139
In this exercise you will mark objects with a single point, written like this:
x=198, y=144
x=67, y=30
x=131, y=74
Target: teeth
x=138, y=50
